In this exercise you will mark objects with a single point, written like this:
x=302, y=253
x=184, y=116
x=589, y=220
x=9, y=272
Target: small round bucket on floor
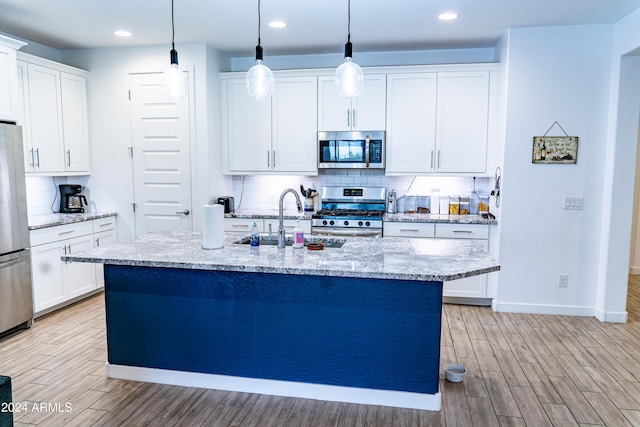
x=454, y=372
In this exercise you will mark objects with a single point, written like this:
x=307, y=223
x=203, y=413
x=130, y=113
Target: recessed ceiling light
x=122, y=33
x=448, y=16
x=277, y=24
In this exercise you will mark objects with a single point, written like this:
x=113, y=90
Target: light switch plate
x=572, y=203
x=563, y=280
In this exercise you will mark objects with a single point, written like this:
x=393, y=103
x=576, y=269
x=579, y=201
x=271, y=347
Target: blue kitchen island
x=360, y=323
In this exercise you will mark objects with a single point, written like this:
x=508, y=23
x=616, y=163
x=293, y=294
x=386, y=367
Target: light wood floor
x=524, y=370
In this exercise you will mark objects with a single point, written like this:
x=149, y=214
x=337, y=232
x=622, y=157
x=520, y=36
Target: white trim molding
x=398, y=399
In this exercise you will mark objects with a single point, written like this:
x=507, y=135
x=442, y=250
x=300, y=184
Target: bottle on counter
x=444, y=205
x=435, y=201
x=298, y=236
x=454, y=205
x=255, y=237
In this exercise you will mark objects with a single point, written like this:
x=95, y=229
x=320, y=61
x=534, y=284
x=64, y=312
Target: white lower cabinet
x=104, y=233
x=57, y=282
x=472, y=288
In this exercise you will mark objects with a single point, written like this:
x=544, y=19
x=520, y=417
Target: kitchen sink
x=329, y=242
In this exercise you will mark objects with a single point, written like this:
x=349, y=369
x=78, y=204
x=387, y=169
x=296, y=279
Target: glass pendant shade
x=349, y=76
x=174, y=83
x=259, y=81
x=349, y=79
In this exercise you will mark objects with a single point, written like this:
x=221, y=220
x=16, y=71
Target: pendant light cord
x=259, y=22
x=173, y=29
x=349, y=22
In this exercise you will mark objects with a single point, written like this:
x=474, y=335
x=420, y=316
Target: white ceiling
x=314, y=26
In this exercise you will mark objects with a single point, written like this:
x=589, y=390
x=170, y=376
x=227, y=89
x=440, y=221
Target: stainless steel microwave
x=351, y=150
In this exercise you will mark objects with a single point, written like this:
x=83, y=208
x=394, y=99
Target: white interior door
x=161, y=157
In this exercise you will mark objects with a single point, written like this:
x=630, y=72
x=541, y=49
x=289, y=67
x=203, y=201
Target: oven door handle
x=352, y=233
x=367, y=145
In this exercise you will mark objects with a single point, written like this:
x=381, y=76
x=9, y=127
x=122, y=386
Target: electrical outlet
x=563, y=280
x=572, y=203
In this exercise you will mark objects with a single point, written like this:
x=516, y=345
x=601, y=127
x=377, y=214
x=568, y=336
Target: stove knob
x=331, y=222
x=346, y=223
x=367, y=223
x=324, y=222
x=360, y=223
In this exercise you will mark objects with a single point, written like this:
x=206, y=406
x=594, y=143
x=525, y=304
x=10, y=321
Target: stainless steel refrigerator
x=16, y=295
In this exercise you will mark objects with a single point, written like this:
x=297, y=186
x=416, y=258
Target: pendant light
x=174, y=81
x=349, y=77
x=259, y=77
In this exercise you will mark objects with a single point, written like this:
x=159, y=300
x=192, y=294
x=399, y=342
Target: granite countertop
x=443, y=219
x=368, y=257
x=53, y=219
x=398, y=217
x=268, y=214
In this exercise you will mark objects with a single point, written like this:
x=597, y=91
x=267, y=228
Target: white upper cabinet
x=294, y=125
x=75, y=124
x=276, y=135
x=9, y=100
x=411, y=122
x=462, y=121
x=438, y=122
x=365, y=112
x=247, y=125
x=54, y=117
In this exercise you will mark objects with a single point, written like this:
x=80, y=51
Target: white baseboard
x=634, y=270
x=561, y=310
x=399, y=399
x=565, y=310
x=611, y=316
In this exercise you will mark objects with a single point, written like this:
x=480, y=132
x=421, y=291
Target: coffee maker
x=71, y=199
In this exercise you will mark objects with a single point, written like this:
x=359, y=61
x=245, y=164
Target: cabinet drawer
x=462, y=231
x=242, y=224
x=60, y=232
x=408, y=229
x=103, y=224
x=289, y=225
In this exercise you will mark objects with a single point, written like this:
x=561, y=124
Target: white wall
x=111, y=181
x=553, y=74
x=619, y=167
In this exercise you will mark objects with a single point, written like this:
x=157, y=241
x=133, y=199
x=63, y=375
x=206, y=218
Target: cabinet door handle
x=348, y=117
x=37, y=158
x=97, y=242
x=463, y=231
x=409, y=230
x=68, y=158
x=431, y=159
x=438, y=156
x=33, y=159
x=274, y=159
x=354, y=119
x=268, y=159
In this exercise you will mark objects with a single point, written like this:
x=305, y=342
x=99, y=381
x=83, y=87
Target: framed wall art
x=555, y=149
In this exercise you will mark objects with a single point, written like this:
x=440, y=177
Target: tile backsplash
x=263, y=191
x=42, y=195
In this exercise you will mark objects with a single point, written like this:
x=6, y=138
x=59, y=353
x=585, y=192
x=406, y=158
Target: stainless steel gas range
x=350, y=211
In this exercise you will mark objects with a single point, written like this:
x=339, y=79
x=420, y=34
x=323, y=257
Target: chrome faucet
x=281, y=234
